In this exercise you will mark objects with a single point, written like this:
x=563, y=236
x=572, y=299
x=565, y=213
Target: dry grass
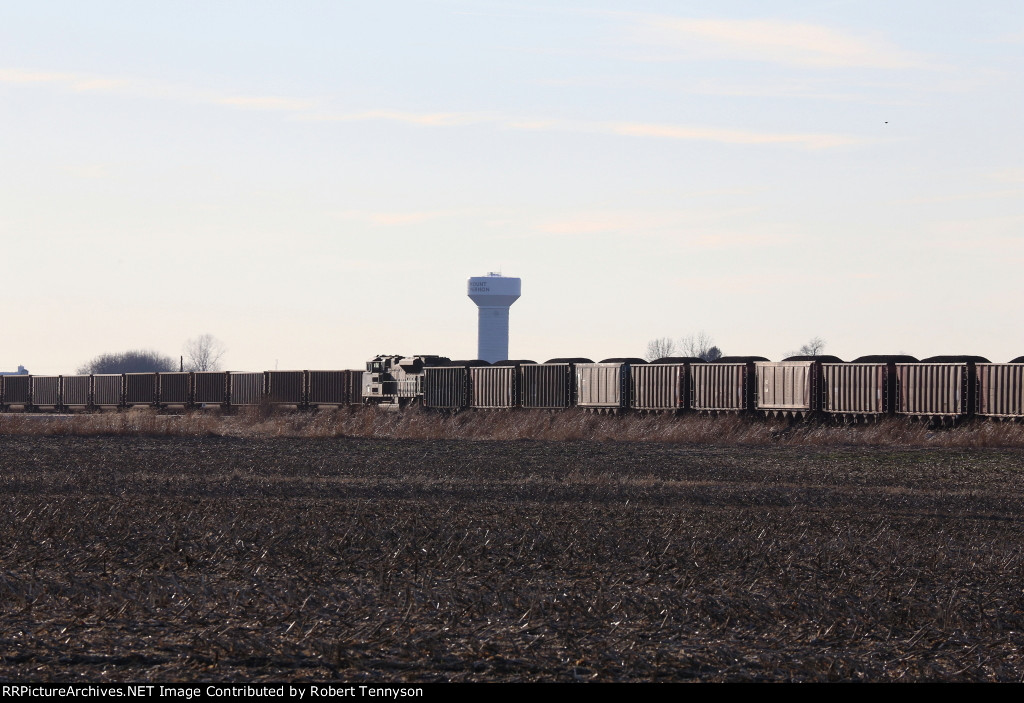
x=369, y=422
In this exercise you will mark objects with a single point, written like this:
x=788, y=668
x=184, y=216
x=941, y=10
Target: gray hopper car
x=446, y=387
x=548, y=386
x=334, y=388
x=791, y=387
x=46, y=392
x=76, y=391
x=140, y=389
x=663, y=387
x=1000, y=390
x=174, y=389
x=938, y=387
x=494, y=387
x=723, y=387
x=286, y=387
x=857, y=390
x=602, y=386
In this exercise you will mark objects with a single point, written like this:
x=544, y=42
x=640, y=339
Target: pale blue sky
x=313, y=182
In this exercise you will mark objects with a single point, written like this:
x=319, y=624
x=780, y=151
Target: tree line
x=202, y=353
x=702, y=346
x=698, y=345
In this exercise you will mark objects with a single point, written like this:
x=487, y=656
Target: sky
x=313, y=182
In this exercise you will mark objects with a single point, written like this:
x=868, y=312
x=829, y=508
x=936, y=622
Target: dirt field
x=248, y=559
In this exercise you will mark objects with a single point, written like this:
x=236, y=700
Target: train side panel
x=245, y=388
x=140, y=388
x=76, y=391
x=931, y=390
x=1001, y=390
x=209, y=387
x=602, y=385
x=107, y=390
x=335, y=387
x=286, y=387
x=445, y=387
x=17, y=390
x=45, y=391
x=787, y=386
x=546, y=386
x=722, y=387
x=855, y=389
x=493, y=386
x=658, y=386
x=174, y=388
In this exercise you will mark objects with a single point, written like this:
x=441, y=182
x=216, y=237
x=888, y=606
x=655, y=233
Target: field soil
x=254, y=559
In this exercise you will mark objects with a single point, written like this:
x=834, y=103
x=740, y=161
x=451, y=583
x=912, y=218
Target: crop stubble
x=134, y=558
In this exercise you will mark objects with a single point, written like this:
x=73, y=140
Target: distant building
x=22, y=371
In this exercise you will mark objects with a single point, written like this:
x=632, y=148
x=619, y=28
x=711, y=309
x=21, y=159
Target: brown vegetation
x=369, y=422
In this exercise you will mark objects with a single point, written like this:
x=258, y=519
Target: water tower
x=493, y=295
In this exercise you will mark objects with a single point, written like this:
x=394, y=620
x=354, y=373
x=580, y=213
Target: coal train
x=937, y=389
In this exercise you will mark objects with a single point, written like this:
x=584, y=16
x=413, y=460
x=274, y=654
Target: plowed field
x=133, y=558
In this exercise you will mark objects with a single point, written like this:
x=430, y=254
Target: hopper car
x=938, y=389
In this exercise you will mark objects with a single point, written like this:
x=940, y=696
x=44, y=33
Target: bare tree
x=698, y=345
x=813, y=347
x=660, y=348
x=203, y=353
x=701, y=346
x=136, y=361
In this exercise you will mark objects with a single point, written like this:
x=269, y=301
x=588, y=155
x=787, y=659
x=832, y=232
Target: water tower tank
x=493, y=295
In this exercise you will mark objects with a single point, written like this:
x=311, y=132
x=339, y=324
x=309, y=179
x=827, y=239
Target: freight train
x=938, y=389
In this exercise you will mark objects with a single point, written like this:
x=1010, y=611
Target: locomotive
x=396, y=381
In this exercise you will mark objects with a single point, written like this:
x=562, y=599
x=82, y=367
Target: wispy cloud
x=776, y=41
x=83, y=82
x=730, y=136
x=872, y=92
x=312, y=110
x=73, y=81
x=429, y=119
x=626, y=129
